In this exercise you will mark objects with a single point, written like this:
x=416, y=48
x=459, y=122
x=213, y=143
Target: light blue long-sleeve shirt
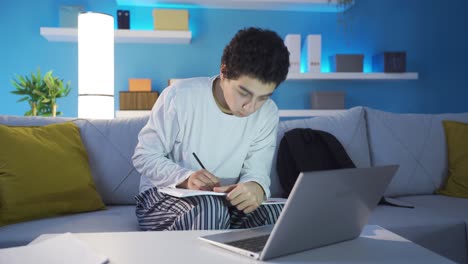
x=186, y=119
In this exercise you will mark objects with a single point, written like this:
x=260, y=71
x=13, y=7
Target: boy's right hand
x=200, y=180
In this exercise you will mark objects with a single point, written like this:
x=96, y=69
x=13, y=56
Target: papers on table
x=179, y=192
x=63, y=248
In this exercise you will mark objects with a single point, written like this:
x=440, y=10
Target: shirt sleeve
x=257, y=165
x=156, y=140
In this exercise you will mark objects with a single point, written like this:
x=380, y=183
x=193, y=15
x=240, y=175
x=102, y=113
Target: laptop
x=324, y=208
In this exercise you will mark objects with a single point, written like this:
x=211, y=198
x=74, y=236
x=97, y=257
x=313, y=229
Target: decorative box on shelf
x=389, y=62
x=170, y=19
x=139, y=85
x=137, y=100
x=346, y=63
x=328, y=100
x=123, y=19
x=68, y=16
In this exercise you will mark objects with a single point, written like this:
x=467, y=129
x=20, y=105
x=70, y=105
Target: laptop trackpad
x=240, y=234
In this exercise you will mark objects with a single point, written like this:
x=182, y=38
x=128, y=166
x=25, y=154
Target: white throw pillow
x=416, y=142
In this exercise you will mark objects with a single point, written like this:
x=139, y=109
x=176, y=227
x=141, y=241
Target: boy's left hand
x=246, y=196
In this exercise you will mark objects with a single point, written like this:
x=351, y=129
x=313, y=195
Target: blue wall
x=433, y=33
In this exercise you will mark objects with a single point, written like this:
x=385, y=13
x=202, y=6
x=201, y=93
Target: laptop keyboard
x=254, y=244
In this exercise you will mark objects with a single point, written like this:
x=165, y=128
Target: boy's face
x=245, y=95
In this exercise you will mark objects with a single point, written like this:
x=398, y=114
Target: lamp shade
x=95, y=66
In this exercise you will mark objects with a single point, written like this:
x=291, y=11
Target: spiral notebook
x=179, y=192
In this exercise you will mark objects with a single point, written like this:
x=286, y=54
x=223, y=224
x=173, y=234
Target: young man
x=230, y=122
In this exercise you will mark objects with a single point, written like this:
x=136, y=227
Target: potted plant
x=41, y=92
x=31, y=88
x=54, y=89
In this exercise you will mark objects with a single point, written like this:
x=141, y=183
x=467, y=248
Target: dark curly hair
x=257, y=53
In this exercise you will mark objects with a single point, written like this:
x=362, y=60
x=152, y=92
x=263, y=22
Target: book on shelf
x=179, y=192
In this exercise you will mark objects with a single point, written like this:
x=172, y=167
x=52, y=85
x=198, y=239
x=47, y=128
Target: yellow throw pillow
x=456, y=183
x=44, y=172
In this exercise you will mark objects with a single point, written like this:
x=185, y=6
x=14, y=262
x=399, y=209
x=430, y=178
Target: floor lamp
x=95, y=66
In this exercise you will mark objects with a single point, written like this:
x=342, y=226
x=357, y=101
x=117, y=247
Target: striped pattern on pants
x=158, y=211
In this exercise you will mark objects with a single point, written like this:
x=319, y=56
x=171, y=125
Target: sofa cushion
x=114, y=219
x=441, y=205
x=414, y=141
x=44, y=172
x=349, y=127
x=110, y=145
x=437, y=223
x=456, y=183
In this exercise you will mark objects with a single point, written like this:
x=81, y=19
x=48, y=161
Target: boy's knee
x=209, y=204
x=209, y=212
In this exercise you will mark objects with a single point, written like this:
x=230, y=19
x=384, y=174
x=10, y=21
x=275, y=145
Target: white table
x=375, y=245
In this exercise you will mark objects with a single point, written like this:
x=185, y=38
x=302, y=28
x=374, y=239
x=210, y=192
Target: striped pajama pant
x=158, y=211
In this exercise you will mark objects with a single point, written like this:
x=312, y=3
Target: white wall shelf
x=278, y=5
x=122, y=36
x=282, y=113
x=353, y=76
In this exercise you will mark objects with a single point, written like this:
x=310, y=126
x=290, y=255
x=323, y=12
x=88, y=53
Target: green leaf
x=23, y=99
x=37, y=92
x=19, y=92
x=18, y=87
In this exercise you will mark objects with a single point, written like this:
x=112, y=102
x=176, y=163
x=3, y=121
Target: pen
x=199, y=162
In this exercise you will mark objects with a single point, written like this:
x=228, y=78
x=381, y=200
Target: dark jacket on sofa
x=305, y=149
